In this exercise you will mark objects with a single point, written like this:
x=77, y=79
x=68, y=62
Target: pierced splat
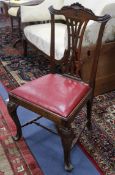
x=75, y=31
x=72, y=56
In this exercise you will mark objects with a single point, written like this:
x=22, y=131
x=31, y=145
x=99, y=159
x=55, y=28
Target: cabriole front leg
x=12, y=107
x=67, y=137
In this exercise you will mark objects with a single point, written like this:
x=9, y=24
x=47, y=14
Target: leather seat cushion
x=53, y=92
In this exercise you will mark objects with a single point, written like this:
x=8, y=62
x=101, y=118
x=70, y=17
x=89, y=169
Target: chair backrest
x=77, y=18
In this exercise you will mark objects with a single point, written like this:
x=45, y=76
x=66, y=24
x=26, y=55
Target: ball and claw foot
x=68, y=167
x=15, y=138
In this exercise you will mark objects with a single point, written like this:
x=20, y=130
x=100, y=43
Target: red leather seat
x=46, y=91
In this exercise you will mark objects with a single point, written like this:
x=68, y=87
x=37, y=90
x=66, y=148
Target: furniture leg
x=1, y=10
x=20, y=34
x=25, y=47
x=67, y=137
x=89, y=110
x=12, y=107
x=11, y=19
x=5, y=9
x=19, y=27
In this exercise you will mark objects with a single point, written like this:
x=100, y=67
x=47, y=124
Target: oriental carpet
x=15, y=157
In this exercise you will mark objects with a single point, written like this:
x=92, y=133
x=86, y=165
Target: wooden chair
x=60, y=97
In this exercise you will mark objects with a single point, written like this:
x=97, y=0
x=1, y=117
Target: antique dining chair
x=60, y=97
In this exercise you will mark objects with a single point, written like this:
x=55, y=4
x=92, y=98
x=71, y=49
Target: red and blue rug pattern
x=15, y=156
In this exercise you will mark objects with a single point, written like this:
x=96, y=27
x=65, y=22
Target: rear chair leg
x=89, y=111
x=12, y=107
x=12, y=25
x=2, y=11
x=25, y=47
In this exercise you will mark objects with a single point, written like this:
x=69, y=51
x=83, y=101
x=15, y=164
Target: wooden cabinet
x=105, y=79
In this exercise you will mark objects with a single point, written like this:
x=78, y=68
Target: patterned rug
x=21, y=68
x=16, y=69
x=100, y=143
x=15, y=157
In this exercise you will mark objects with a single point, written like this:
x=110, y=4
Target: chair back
x=37, y=10
x=76, y=19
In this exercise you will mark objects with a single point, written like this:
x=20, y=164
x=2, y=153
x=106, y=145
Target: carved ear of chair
x=60, y=97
